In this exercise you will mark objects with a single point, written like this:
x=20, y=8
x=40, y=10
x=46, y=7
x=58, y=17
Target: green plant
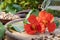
x=10, y=6
x=2, y=30
x=30, y=3
x=54, y=12
x=14, y=6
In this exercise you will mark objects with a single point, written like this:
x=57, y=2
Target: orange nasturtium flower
x=48, y=20
x=40, y=23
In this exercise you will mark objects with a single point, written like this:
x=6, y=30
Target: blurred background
x=14, y=6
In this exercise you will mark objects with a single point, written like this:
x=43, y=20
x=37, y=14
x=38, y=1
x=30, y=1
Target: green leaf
x=54, y=12
x=17, y=7
x=19, y=27
x=29, y=14
x=35, y=12
x=13, y=8
x=26, y=4
x=10, y=9
x=1, y=6
x=25, y=21
x=57, y=23
x=2, y=30
x=15, y=1
x=22, y=2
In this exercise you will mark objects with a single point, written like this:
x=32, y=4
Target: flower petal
x=42, y=17
x=41, y=20
x=51, y=27
x=49, y=17
x=41, y=28
x=28, y=29
x=46, y=17
x=32, y=19
x=42, y=13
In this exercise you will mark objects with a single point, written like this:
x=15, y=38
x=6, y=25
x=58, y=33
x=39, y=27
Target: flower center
x=33, y=27
x=45, y=22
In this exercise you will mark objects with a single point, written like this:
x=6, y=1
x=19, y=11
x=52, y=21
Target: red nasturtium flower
x=34, y=26
x=40, y=23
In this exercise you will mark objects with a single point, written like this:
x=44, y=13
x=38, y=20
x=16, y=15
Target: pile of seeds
x=48, y=37
x=8, y=16
x=52, y=37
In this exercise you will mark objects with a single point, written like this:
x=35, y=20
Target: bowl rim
x=20, y=19
x=6, y=19
x=8, y=33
